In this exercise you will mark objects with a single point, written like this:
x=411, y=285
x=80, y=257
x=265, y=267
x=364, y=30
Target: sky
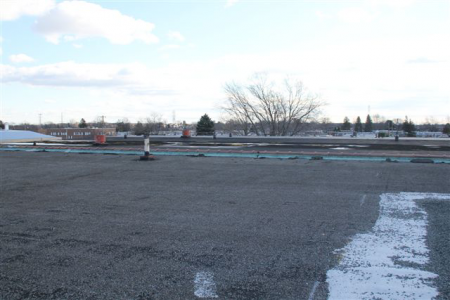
x=134, y=59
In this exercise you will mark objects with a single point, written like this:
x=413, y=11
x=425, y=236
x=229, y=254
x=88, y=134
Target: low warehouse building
x=79, y=133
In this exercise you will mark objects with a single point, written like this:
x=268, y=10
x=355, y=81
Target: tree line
x=407, y=125
x=206, y=126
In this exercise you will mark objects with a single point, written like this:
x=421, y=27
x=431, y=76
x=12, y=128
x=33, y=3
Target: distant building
x=79, y=133
x=430, y=134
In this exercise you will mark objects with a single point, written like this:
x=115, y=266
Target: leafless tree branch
x=267, y=109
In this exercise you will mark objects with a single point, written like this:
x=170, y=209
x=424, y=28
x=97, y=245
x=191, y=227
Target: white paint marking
x=363, y=199
x=369, y=267
x=313, y=291
x=204, y=285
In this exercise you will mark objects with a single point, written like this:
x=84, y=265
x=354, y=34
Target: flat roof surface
x=111, y=227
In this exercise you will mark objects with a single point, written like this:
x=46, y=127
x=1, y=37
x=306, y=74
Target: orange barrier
x=100, y=139
x=186, y=133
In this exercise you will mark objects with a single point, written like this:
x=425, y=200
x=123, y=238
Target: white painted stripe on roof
x=370, y=269
x=363, y=199
x=204, y=285
x=313, y=291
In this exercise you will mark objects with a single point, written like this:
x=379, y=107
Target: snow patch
x=204, y=285
x=387, y=263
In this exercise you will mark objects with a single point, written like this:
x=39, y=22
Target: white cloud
x=69, y=74
x=349, y=76
x=14, y=9
x=176, y=36
x=20, y=58
x=1, y=50
x=165, y=56
x=355, y=15
x=422, y=60
x=74, y=20
x=130, y=79
x=169, y=47
x=392, y=3
x=321, y=15
x=231, y=3
x=78, y=46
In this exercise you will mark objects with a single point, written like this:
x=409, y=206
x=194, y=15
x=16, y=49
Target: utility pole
x=103, y=122
x=40, y=120
x=396, y=135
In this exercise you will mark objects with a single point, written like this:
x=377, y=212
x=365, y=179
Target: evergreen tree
x=405, y=125
x=82, y=123
x=409, y=128
x=205, y=126
x=346, y=125
x=123, y=125
x=446, y=129
x=389, y=125
x=358, y=125
x=2, y=126
x=368, y=126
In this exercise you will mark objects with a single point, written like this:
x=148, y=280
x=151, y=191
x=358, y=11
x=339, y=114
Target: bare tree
x=325, y=124
x=235, y=127
x=123, y=125
x=379, y=122
x=99, y=122
x=377, y=118
x=268, y=109
x=154, y=123
x=431, y=124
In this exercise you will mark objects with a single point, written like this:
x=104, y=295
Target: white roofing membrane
x=10, y=136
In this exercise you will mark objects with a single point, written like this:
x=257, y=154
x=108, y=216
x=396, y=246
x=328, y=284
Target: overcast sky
x=119, y=59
